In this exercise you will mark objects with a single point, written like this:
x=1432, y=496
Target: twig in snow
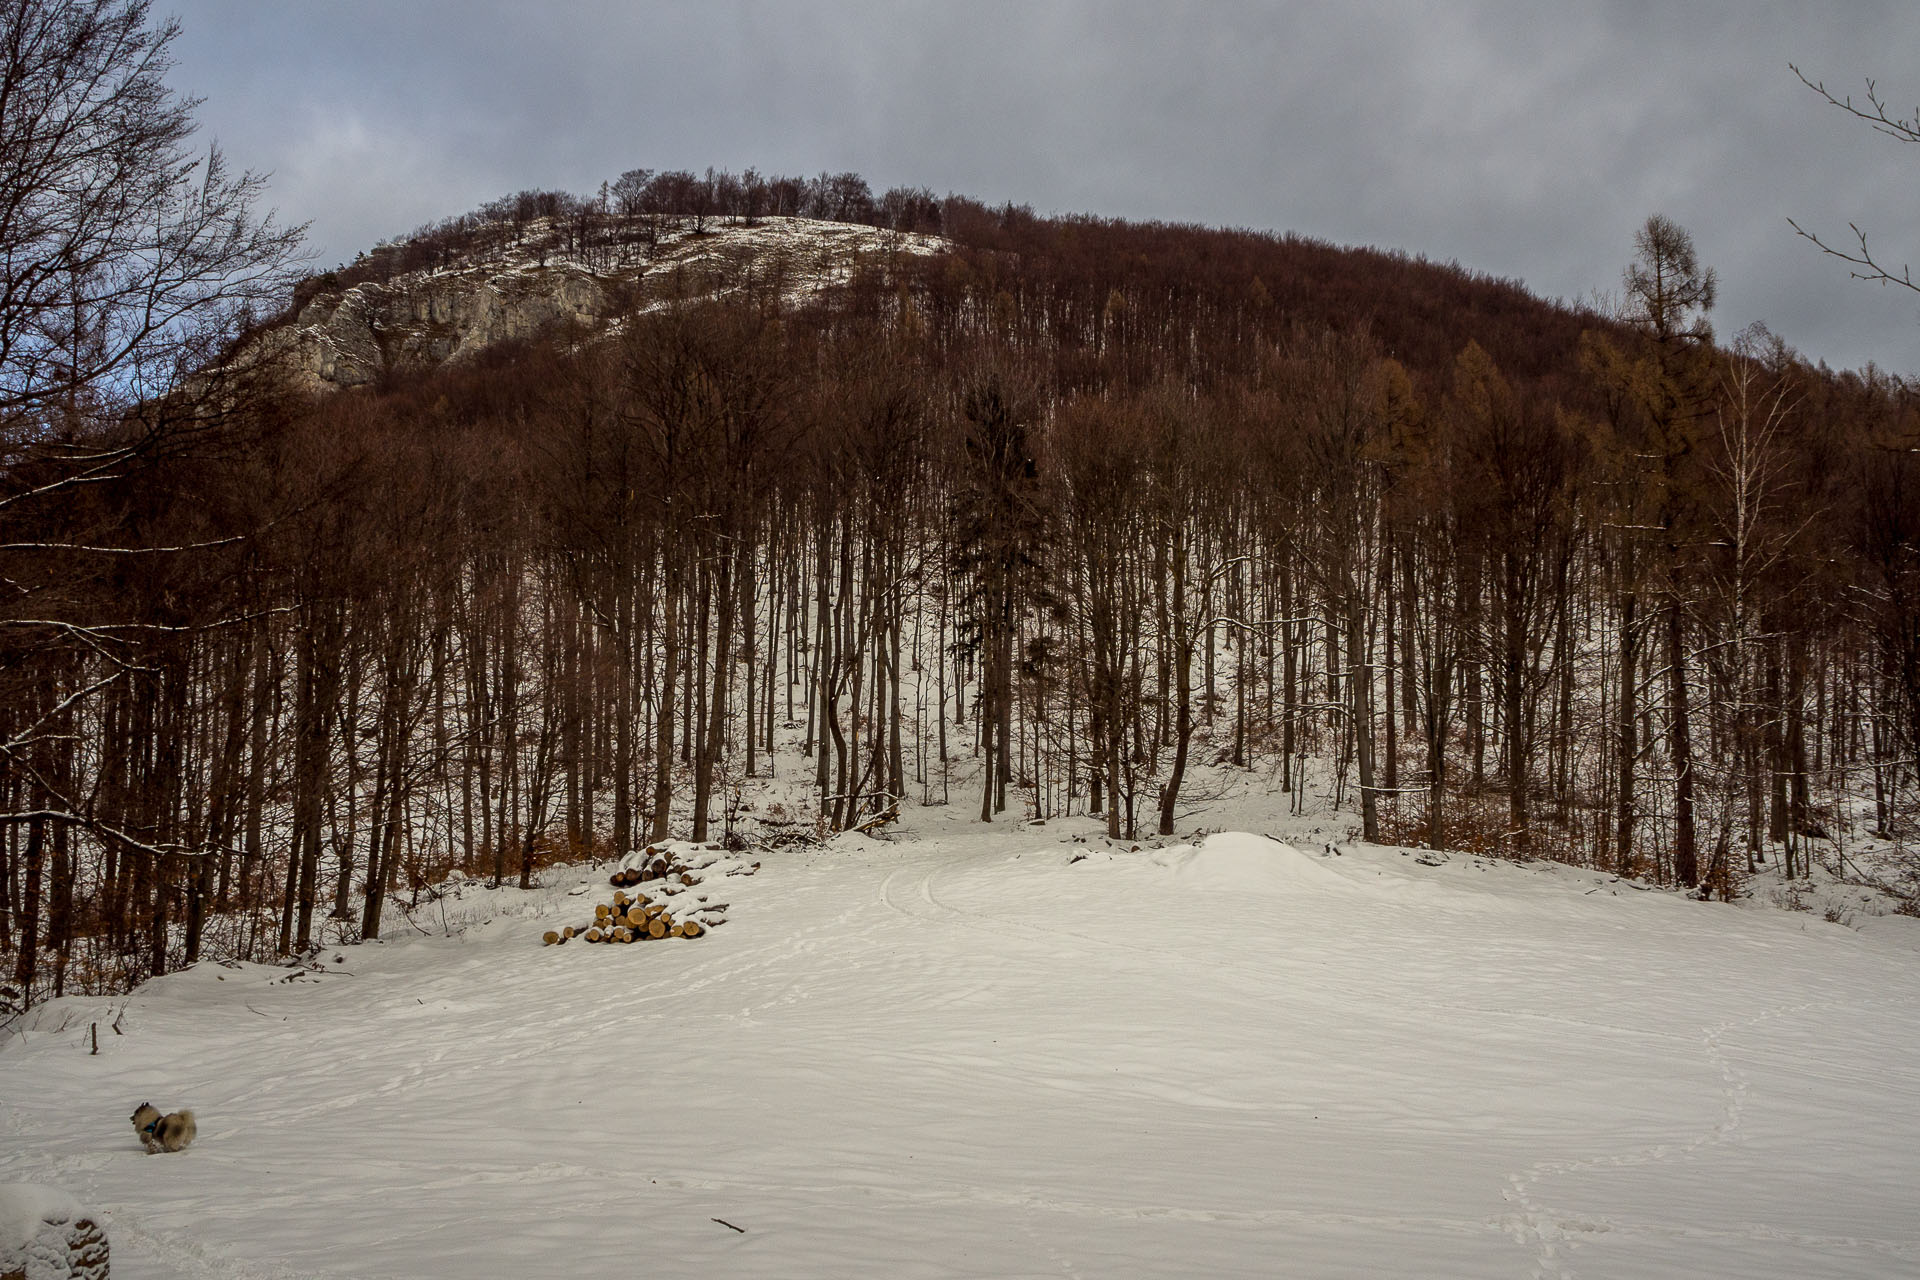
x=723, y=1222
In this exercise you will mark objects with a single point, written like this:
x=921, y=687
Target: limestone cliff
x=351, y=335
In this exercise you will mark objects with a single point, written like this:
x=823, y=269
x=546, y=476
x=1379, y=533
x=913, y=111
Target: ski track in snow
x=965, y=1055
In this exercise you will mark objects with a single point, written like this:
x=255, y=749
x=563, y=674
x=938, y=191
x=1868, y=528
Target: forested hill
x=542, y=257
x=639, y=501
x=1421, y=313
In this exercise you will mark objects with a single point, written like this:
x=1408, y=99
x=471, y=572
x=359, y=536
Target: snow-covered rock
x=46, y=1234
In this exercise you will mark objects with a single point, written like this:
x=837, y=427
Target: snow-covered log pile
x=681, y=903
x=45, y=1234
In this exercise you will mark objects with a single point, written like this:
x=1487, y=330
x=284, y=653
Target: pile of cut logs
x=644, y=918
x=635, y=919
x=657, y=865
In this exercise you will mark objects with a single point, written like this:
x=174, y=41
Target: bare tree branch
x=1901, y=129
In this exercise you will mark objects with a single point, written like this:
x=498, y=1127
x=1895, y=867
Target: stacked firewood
x=672, y=910
x=635, y=919
x=655, y=864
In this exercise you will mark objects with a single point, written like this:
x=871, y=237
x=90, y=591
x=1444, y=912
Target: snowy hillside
x=1021, y=1051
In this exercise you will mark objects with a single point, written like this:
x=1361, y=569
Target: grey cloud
x=1519, y=139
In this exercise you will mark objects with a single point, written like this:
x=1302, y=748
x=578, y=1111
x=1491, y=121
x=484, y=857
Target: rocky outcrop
x=353, y=336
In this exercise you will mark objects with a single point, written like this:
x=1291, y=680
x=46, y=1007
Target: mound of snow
x=1236, y=862
x=26, y=1208
x=45, y=1234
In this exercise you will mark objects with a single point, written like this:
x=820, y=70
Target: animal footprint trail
x=1556, y=1233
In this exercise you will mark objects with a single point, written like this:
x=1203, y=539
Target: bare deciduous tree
x=123, y=253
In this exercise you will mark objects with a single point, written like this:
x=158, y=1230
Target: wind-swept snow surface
x=1006, y=1052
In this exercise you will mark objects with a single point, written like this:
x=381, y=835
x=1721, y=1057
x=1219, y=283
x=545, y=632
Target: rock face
x=352, y=336
x=417, y=321
x=45, y=1234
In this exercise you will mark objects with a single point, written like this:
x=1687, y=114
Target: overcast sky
x=1519, y=139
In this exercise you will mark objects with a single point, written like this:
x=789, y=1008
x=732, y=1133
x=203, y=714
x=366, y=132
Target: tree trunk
x=1628, y=756
x=1360, y=682
x=663, y=714
x=717, y=706
x=1686, y=863
x=1513, y=660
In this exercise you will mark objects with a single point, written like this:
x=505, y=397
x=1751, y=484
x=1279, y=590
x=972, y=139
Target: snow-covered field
x=1007, y=1051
